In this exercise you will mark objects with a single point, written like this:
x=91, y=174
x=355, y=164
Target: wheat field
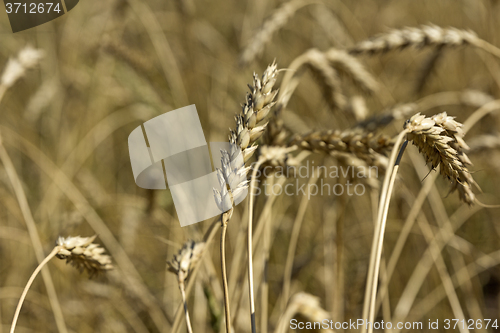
x=369, y=132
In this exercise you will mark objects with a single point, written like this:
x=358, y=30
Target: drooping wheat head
x=440, y=139
x=83, y=254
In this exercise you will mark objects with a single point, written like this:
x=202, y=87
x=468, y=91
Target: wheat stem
x=249, y=243
x=224, y=273
x=292, y=246
x=208, y=238
x=480, y=113
x=188, y=321
x=264, y=320
x=28, y=285
x=378, y=237
x=33, y=233
x=484, y=45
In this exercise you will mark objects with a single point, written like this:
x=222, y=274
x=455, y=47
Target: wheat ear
x=426, y=35
x=440, y=140
x=181, y=265
x=250, y=125
x=80, y=251
x=365, y=145
x=27, y=59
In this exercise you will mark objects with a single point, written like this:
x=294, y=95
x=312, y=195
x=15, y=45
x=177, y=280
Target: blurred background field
x=109, y=66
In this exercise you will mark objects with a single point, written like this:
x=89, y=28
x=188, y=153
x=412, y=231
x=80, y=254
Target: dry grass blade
x=440, y=140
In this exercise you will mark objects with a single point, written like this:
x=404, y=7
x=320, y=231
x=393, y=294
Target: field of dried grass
x=337, y=88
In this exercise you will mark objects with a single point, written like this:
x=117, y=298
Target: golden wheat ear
x=83, y=254
x=181, y=265
x=80, y=252
x=440, y=140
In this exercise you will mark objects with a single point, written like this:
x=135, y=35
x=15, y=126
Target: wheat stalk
x=181, y=265
x=440, y=140
x=80, y=252
x=250, y=125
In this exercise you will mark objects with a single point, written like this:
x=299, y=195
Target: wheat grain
x=440, y=140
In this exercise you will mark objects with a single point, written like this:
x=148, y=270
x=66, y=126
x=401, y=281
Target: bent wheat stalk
x=378, y=237
x=28, y=285
x=80, y=252
x=440, y=140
